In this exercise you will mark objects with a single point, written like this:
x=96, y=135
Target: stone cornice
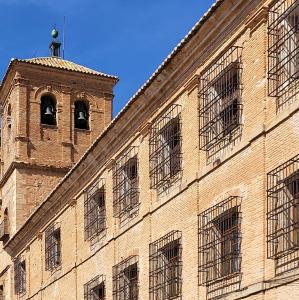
x=27, y=165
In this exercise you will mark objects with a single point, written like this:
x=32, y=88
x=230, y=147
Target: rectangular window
x=125, y=182
x=95, y=289
x=220, y=96
x=1, y=292
x=283, y=33
x=20, y=276
x=53, y=247
x=94, y=210
x=166, y=267
x=283, y=209
x=125, y=279
x=4, y=235
x=166, y=148
x=220, y=240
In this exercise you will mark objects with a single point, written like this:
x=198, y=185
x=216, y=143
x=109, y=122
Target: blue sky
x=127, y=38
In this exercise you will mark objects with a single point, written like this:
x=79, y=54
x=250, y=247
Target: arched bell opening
x=48, y=110
x=81, y=115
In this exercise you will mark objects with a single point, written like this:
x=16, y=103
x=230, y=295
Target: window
x=48, y=110
x=20, y=276
x=8, y=118
x=220, y=241
x=53, y=247
x=166, y=267
x=125, y=182
x=283, y=209
x=4, y=234
x=166, y=148
x=81, y=115
x=125, y=279
x=283, y=31
x=220, y=95
x=94, y=210
x=95, y=289
x=1, y=292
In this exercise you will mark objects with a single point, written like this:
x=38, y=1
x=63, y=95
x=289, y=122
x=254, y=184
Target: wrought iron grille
x=94, y=210
x=20, y=276
x=283, y=35
x=220, y=99
x=125, y=182
x=166, y=267
x=166, y=147
x=1, y=292
x=220, y=241
x=95, y=289
x=53, y=247
x=125, y=279
x=283, y=209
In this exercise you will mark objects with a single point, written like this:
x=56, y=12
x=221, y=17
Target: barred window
x=125, y=182
x=1, y=292
x=166, y=267
x=95, y=289
x=94, y=210
x=220, y=240
x=220, y=96
x=53, y=247
x=20, y=276
x=166, y=148
x=125, y=279
x=283, y=209
x=283, y=32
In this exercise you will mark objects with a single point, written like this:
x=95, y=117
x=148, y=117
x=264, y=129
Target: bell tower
x=52, y=111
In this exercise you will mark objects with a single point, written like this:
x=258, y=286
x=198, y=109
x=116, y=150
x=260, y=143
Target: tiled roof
x=59, y=63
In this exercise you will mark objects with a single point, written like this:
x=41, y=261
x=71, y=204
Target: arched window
x=81, y=115
x=48, y=110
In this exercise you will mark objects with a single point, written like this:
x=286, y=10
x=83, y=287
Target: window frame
x=95, y=210
x=20, y=276
x=165, y=144
x=90, y=286
x=283, y=209
x=126, y=182
x=220, y=100
x=124, y=287
x=215, y=229
x=162, y=284
x=53, y=245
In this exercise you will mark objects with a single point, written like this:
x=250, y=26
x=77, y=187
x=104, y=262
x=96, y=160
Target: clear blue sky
x=127, y=38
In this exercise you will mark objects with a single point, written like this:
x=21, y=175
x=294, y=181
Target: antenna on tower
x=63, y=37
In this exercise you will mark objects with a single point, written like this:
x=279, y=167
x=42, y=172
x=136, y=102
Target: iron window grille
x=95, y=289
x=20, y=276
x=53, y=247
x=220, y=241
x=166, y=147
x=220, y=99
x=125, y=279
x=125, y=182
x=283, y=209
x=166, y=267
x=94, y=210
x=283, y=35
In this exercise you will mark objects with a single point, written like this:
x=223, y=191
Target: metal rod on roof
x=63, y=37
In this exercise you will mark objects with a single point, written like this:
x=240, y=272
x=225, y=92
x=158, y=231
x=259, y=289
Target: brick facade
x=232, y=168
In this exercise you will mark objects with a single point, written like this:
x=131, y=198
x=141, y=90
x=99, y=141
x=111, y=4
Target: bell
x=48, y=111
x=81, y=116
